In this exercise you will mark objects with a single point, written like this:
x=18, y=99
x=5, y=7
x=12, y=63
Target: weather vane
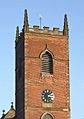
x=40, y=18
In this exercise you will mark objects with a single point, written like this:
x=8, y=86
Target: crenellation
x=55, y=30
x=36, y=28
x=46, y=31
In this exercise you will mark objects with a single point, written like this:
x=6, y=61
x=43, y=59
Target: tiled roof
x=10, y=114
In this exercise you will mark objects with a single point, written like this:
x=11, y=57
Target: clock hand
x=50, y=95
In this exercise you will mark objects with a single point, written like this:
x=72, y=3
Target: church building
x=42, y=88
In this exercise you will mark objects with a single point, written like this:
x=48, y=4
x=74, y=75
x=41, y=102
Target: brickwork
x=35, y=83
x=30, y=83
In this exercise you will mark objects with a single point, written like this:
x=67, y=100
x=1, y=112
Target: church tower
x=42, y=72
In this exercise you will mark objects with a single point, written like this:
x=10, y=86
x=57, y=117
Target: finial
x=11, y=104
x=26, y=25
x=65, y=29
x=3, y=112
x=17, y=33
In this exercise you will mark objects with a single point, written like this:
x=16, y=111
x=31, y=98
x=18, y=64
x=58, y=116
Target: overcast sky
x=11, y=15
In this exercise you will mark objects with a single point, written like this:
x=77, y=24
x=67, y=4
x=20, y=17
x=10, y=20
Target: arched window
x=47, y=63
x=47, y=116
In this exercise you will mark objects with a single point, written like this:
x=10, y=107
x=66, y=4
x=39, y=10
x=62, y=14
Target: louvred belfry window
x=47, y=63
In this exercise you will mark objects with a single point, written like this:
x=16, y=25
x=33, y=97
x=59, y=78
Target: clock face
x=47, y=96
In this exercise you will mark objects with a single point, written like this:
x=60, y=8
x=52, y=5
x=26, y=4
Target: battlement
x=46, y=30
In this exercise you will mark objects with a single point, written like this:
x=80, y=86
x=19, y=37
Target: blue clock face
x=47, y=96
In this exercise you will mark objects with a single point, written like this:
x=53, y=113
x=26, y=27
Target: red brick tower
x=42, y=72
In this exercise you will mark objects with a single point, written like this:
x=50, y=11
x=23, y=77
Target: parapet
x=46, y=30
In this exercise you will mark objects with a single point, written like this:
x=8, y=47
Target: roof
x=10, y=114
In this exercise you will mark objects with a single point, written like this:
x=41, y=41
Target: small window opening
x=47, y=116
